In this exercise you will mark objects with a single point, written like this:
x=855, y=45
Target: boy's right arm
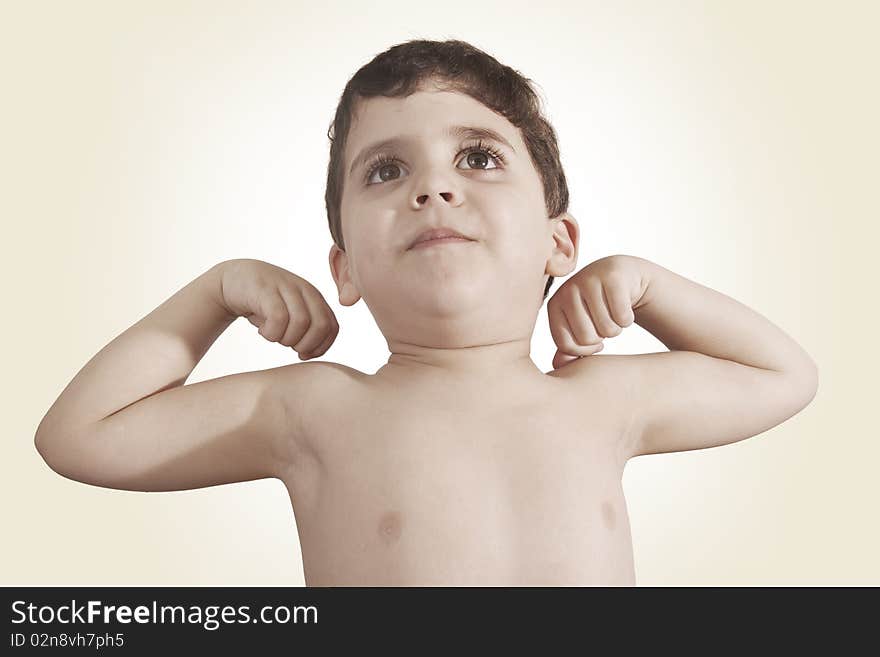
x=127, y=420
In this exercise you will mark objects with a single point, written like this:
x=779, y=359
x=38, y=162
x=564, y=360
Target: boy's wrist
x=649, y=272
x=213, y=285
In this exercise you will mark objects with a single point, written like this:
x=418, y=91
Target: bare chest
x=406, y=493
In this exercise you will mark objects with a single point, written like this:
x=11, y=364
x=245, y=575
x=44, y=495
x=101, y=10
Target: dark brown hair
x=456, y=66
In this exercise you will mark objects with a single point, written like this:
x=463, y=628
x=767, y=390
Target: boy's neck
x=470, y=363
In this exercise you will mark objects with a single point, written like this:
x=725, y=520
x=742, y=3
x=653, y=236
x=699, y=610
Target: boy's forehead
x=376, y=113
x=427, y=113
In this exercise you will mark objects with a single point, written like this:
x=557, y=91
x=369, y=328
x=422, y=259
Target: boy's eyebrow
x=456, y=131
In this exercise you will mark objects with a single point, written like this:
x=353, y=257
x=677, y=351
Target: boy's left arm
x=730, y=373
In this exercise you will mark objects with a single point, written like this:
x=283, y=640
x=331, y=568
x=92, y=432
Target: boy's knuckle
x=301, y=321
x=274, y=303
x=322, y=324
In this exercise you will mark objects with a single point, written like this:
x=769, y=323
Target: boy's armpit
x=305, y=393
x=607, y=381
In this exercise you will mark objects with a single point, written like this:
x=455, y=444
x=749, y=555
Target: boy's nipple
x=390, y=526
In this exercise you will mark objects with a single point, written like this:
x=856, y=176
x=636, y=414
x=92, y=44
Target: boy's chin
x=463, y=291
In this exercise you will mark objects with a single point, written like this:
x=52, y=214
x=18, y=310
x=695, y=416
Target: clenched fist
x=596, y=303
x=285, y=307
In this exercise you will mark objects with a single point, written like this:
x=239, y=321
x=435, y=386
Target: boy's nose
x=446, y=196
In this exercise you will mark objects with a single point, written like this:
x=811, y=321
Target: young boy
x=458, y=462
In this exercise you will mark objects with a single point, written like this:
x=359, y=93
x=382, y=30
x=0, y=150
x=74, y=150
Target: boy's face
x=458, y=293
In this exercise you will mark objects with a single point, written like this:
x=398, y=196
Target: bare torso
x=416, y=485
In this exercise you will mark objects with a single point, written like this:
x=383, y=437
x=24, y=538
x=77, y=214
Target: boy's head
x=508, y=194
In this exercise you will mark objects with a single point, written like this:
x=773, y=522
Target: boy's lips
x=439, y=236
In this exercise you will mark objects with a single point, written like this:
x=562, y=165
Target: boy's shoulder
x=319, y=368
x=311, y=381
x=304, y=389
x=600, y=368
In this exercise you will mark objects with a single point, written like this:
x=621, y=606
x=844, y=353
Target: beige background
x=735, y=143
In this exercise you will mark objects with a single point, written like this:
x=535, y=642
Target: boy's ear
x=339, y=267
x=566, y=240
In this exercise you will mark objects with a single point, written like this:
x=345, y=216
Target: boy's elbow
x=42, y=440
x=40, y=446
x=811, y=380
x=805, y=382
x=43, y=445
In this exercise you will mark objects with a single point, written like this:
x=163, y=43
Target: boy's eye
x=476, y=158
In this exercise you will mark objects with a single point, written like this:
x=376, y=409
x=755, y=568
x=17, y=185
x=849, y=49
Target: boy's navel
x=390, y=526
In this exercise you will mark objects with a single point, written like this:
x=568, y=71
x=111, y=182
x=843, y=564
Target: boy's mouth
x=438, y=235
